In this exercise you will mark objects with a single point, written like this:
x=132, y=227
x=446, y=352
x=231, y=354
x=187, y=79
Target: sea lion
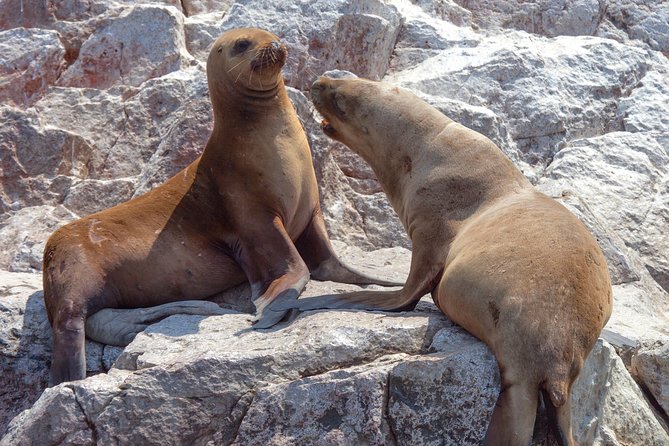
x=246, y=209
x=512, y=266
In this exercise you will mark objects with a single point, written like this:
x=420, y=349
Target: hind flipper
x=116, y=326
x=424, y=274
x=315, y=248
x=512, y=421
x=560, y=420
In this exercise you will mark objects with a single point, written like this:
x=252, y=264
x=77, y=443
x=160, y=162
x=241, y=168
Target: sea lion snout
x=272, y=54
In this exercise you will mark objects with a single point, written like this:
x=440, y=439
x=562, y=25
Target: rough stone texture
x=327, y=378
x=25, y=345
x=118, y=52
x=650, y=365
x=26, y=75
x=103, y=100
x=601, y=395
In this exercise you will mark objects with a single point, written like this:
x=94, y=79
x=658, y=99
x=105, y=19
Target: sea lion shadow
x=24, y=370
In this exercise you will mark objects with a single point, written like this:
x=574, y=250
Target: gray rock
x=26, y=74
x=601, y=395
x=650, y=365
x=143, y=42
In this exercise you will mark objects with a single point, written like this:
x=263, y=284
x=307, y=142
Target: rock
x=536, y=85
x=650, y=365
x=26, y=74
x=194, y=7
x=329, y=376
x=600, y=397
x=24, y=233
x=91, y=196
x=645, y=20
x=644, y=109
x=550, y=18
x=321, y=35
x=143, y=42
x=39, y=161
x=602, y=168
x=447, y=397
x=25, y=339
x=25, y=345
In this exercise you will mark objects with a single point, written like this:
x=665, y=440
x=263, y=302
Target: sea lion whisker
x=238, y=64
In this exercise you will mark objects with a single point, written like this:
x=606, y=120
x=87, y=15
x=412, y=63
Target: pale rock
x=40, y=162
x=446, y=397
x=27, y=73
x=646, y=108
x=346, y=406
x=194, y=7
x=358, y=36
x=646, y=20
x=99, y=117
x=601, y=398
x=143, y=42
x=90, y=196
x=25, y=339
x=623, y=179
x=536, y=85
x=446, y=10
x=546, y=17
x=25, y=345
x=180, y=120
x=23, y=235
x=201, y=32
x=59, y=409
x=650, y=365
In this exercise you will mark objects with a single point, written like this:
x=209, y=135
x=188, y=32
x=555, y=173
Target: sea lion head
x=246, y=60
x=358, y=112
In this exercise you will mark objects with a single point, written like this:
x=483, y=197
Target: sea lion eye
x=339, y=105
x=241, y=46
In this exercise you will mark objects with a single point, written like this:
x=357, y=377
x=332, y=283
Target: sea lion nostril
x=276, y=45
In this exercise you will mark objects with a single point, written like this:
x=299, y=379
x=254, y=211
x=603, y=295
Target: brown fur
x=509, y=264
x=247, y=209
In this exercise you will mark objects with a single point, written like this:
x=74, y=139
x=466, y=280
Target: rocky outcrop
x=103, y=100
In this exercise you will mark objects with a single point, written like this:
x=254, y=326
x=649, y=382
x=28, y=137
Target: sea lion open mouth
x=327, y=128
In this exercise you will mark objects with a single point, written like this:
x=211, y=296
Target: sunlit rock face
x=101, y=101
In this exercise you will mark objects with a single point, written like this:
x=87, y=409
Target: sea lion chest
x=267, y=169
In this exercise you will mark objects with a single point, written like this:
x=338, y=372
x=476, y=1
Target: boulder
x=26, y=74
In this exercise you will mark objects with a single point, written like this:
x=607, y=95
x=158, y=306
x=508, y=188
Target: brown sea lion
x=246, y=209
x=509, y=264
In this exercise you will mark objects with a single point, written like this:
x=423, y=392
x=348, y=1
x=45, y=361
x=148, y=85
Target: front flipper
x=423, y=277
x=316, y=250
x=274, y=268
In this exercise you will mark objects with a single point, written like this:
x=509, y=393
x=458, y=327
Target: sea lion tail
x=395, y=300
x=557, y=391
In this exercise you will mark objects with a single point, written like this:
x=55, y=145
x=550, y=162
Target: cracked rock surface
x=103, y=100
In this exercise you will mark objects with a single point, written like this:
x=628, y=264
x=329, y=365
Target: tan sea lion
x=246, y=209
x=509, y=264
